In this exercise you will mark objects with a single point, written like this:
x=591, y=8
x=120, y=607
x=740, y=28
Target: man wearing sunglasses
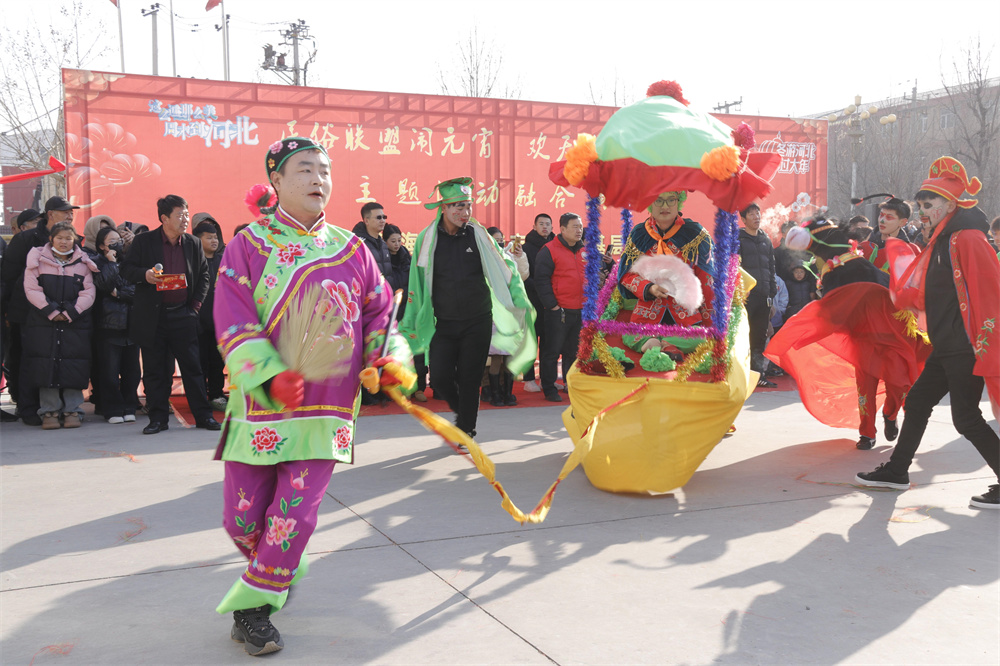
x=369, y=229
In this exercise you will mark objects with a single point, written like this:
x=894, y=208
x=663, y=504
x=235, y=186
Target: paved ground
x=767, y=556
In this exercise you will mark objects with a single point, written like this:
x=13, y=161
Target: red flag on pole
x=212, y=4
x=56, y=165
x=114, y=2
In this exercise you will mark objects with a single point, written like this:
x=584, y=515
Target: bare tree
x=31, y=117
x=478, y=72
x=974, y=100
x=619, y=96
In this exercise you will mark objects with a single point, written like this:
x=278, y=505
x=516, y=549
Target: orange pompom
x=721, y=162
x=579, y=157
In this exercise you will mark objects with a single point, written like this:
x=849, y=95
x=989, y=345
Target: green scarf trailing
x=513, y=315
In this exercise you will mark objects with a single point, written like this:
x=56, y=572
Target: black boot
x=508, y=389
x=496, y=391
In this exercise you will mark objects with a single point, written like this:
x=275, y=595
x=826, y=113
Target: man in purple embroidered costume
x=283, y=435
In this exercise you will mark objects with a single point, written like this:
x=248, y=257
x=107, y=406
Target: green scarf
x=513, y=315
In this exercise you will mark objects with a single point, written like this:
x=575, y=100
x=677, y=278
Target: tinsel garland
x=593, y=268
x=734, y=324
x=586, y=349
x=610, y=287
x=693, y=360
x=613, y=307
x=626, y=225
x=655, y=330
x=607, y=359
x=726, y=247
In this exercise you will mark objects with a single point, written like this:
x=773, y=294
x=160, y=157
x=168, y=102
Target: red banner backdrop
x=131, y=139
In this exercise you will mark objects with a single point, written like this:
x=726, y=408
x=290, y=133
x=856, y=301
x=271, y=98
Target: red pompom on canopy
x=667, y=89
x=743, y=136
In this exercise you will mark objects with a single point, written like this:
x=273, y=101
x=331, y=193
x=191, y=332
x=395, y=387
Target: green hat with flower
x=279, y=151
x=451, y=191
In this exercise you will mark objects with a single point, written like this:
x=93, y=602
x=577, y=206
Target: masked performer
x=955, y=281
x=282, y=435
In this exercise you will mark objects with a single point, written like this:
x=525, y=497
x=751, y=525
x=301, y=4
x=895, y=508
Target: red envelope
x=172, y=282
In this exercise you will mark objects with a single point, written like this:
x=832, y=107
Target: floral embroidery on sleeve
x=981, y=344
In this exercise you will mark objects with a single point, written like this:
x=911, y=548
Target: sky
x=783, y=58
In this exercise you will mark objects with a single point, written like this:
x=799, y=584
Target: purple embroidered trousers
x=270, y=512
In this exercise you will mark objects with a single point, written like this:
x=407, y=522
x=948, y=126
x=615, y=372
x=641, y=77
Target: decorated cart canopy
x=645, y=422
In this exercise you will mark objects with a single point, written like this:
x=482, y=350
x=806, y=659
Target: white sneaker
x=561, y=386
x=117, y=419
x=220, y=404
x=532, y=387
x=129, y=418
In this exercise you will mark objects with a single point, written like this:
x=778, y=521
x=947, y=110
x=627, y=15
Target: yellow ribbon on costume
x=454, y=436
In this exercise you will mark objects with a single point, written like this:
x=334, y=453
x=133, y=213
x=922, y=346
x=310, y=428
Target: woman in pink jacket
x=60, y=289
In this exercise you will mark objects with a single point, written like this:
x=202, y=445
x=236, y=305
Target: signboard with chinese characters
x=131, y=139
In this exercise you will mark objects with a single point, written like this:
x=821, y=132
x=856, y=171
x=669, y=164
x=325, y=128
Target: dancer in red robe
x=840, y=347
x=955, y=283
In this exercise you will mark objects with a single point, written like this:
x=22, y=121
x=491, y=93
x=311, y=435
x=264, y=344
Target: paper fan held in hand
x=312, y=342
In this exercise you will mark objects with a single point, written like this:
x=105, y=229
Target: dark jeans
x=119, y=373
x=212, y=364
x=758, y=317
x=177, y=336
x=943, y=375
x=562, y=338
x=458, y=353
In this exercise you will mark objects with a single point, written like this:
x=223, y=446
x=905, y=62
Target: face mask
x=119, y=248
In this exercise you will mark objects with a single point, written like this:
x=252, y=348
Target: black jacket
x=945, y=327
x=377, y=247
x=57, y=353
x=15, y=260
x=799, y=294
x=205, y=314
x=145, y=252
x=757, y=259
x=400, y=278
x=112, y=312
x=533, y=242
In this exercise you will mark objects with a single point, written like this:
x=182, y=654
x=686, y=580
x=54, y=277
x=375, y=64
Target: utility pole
x=152, y=11
x=724, y=106
x=173, y=43
x=275, y=62
x=225, y=40
x=295, y=32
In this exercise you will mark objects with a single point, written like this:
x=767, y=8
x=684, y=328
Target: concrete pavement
x=768, y=555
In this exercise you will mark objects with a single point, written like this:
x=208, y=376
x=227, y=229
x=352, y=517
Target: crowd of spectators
x=80, y=312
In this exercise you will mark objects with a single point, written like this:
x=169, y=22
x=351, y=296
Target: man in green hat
x=464, y=295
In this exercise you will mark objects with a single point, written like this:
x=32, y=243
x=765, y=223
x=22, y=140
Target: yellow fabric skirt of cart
x=655, y=440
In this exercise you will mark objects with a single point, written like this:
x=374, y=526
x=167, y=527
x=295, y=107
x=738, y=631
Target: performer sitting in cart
x=665, y=233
